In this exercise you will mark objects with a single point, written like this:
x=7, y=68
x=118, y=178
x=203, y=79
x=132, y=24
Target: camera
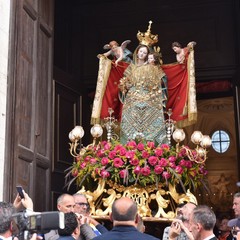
x=25, y=224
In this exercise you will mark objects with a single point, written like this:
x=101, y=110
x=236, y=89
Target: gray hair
x=236, y=195
x=6, y=212
x=205, y=216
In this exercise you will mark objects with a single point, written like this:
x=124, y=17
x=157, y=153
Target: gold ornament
x=147, y=38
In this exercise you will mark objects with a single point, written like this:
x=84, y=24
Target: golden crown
x=147, y=38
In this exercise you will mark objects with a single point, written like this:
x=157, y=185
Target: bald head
x=124, y=209
x=65, y=203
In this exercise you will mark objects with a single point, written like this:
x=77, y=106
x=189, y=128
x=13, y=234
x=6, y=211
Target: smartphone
x=20, y=191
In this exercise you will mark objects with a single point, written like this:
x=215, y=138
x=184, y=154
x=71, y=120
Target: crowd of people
x=192, y=222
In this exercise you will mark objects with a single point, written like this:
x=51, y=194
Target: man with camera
x=8, y=226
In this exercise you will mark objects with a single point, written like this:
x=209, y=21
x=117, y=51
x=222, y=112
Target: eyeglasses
x=81, y=204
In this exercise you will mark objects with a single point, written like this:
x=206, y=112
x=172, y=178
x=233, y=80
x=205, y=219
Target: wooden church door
x=29, y=129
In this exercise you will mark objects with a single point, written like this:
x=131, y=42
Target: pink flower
x=112, y=154
x=137, y=170
x=145, y=154
x=189, y=164
x=172, y=159
x=165, y=146
x=158, y=169
x=93, y=160
x=107, y=146
x=150, y=145
x=172, y=165
x=123, y=173
x=145, y=171
x=131, y=144
x=104, y=161
x=130, y=154
x=87, y=158
x=83, y=165
x=166, y=174
x=134, y=161
x=182, y=163
x=152, y=160
x=179, y=169
x=159, y=152
x=122, y=151
x=105, y=174
x=118, y=147
x=98, y=171
x=100, y=153
x=140, y=146
x=117, y=162
x=163, y=162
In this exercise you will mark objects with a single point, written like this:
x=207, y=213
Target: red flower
x=145, y=154
x=145, y=171
x=179, y=169
x=117, y=162
x=150, y=145
x=140, y=146
x=131, y=144
x=130, y=154
x=105, y=174
x=100, y=153
x=152, y=160
x=158, y=151
x=106, y=146
x=104, y=161
x=93, y=160
x=163, y=162
x=137, y=170
x=112, y=154
x=134, y=161
x=172, y=165
x=158, y=169
x=166, y=175
x=122, y=151
x=165, y=146
x=83, y=165
x=123, y=173
x=172, y=159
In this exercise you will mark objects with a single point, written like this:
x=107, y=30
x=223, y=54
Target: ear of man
x=137, y=218
x=110, y=217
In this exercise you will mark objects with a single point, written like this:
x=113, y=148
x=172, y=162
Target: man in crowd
x=125, y=218
x=6, y=221
x=65, y=203
x=234, y=224
x=82, y=208
x=71, y=230
x=236, y=204
x=7, y=226
x=179, y=229
x=202, y=222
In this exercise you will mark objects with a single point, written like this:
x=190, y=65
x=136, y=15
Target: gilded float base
x=153, y=201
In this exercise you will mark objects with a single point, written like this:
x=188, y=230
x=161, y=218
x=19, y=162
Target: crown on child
x=147, y=38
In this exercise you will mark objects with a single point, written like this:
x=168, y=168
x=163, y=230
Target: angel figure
x=181, y=52
x=121, y=53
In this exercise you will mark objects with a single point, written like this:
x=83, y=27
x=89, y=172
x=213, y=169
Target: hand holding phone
x=20, y=191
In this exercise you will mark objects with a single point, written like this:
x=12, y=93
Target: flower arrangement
x=141, y=163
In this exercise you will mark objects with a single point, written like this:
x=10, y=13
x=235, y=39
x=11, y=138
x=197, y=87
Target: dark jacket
x=124, y=233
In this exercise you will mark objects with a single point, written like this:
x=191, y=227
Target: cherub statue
x=121, y=53
x=181, y=52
